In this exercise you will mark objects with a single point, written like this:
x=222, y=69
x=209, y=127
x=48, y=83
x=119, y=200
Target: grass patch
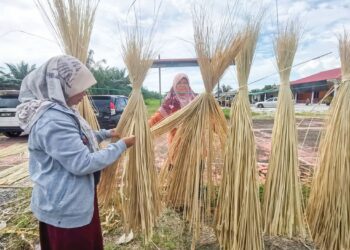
x=305, y=189
x=226, y=112
x=310, y=115
x=152, y=106
x=21, y=230
x=170, y=233
x=255, y=115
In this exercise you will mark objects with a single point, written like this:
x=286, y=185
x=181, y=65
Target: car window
x=275, y=99
x=120, y=103
x=269, y=100
x=9, y=101
x=101, y=102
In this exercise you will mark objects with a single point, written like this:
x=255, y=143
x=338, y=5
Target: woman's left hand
x=114, y=133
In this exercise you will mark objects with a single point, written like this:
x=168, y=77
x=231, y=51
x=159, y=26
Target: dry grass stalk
x=202, y=127
x=17, y=148
x=139, y=188
x=283, y=208
x=71, y=22
x=328, y=209
x=238, y=214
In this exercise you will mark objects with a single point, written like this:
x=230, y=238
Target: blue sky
x=321, y=20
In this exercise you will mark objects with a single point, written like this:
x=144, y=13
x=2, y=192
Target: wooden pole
x=160, y=81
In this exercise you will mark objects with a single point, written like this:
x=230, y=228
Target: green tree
x=91, y=63
x=269, y=87
x=223, y=89
x=13, y=74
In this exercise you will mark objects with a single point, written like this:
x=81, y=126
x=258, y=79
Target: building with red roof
x=315, y=87
x=312, y=88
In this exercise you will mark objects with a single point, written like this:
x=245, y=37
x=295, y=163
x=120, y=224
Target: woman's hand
x=129, y=141
x=114, y=133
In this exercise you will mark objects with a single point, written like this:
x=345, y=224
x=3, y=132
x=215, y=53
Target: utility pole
x=160, y=81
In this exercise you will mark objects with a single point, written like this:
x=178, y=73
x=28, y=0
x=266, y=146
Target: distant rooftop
x=321, y=76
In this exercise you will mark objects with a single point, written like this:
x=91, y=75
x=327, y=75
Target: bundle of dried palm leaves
x=202, y=127
x=139, y=189
x=283, y=208
x=71, y=22
x=328, y=210
x=238, y=214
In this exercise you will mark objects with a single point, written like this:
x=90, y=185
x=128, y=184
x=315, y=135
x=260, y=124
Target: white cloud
x=322, y=20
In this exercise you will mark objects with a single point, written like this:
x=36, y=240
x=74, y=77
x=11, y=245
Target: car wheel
x=12, y=134
x=260, y=105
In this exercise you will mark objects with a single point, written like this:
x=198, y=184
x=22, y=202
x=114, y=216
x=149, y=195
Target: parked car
x=109, y=109
x=269, y=103
x=9, y=125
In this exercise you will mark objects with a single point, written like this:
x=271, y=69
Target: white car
x=8, y=122
x=269, y=103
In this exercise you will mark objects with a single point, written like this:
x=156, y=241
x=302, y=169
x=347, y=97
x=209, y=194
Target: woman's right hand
x=129, y=141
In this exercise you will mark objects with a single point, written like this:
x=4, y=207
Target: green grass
x=227, y=113
x=310, y=115
x=255, y=115
x=305, y=189
x=152, y=106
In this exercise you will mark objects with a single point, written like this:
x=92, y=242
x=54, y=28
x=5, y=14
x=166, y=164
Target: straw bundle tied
x=71, y=22
x=139, y=189
x=238, y=214
x=328, y=210
x=283, y=208
x=202, y=127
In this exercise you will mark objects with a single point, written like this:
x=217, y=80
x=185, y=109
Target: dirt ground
x=171, y=231
x=309, y=131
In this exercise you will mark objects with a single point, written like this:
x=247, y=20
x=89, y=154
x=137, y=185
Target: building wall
x=318, y=95
x=302, y=97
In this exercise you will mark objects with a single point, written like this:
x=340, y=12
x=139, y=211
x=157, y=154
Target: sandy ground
x=309, y=131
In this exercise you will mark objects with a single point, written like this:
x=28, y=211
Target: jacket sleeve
x=102, y=134
x=61, y=140
x=157, y=117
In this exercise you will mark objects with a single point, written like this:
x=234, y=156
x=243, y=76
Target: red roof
x=321, y=76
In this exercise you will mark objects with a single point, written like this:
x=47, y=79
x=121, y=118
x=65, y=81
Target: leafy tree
x=111, y=80
x=223, y=89
x=13, y=74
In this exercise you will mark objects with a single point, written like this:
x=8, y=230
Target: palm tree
x=91, y=63
x=13, y=75
x=223, y=89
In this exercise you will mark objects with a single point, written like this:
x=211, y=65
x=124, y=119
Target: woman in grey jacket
x=64, y=157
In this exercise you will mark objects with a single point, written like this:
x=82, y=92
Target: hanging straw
x=238, y=214
x=139, y=189
x=328, y=209
x=202, y=127
x=283, y=208
x=71, y=22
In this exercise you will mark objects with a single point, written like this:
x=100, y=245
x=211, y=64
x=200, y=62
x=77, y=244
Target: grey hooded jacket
x=62, y=166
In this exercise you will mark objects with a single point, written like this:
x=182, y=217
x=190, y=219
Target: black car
x=109, y=109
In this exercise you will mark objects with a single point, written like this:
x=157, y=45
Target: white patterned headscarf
x=54, y=82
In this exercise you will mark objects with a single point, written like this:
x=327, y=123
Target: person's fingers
x=129, y=141
x=114, y=133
